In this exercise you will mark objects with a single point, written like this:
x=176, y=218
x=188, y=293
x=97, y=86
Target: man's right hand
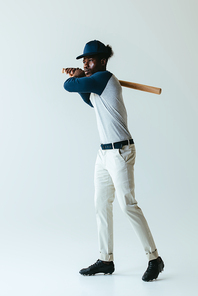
x=74, y=72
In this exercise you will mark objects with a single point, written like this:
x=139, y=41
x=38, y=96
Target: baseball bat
x=138, y=86
x=142, y=87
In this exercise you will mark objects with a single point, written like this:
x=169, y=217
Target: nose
x=85, y=64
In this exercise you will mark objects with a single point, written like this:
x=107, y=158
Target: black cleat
x=154, y=268
x=98, y=267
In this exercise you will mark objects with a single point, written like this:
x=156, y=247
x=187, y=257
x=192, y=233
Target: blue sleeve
x=95, y=83
x=86, y=99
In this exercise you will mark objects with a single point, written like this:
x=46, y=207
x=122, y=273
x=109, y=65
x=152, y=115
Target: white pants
x=114, y=172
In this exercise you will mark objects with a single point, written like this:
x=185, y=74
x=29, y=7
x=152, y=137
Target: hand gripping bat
x=138, y=86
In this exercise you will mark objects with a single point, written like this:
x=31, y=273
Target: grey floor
x=47, y=264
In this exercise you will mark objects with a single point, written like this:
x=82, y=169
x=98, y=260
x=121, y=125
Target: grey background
x=49, y=138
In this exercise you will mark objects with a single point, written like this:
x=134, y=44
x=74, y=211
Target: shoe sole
x=90, y=274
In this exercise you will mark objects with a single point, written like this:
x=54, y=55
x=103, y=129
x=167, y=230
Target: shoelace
x=151, y=265
x=98, y=262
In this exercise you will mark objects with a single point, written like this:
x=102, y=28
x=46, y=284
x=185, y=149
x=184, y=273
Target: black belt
x=117, y=145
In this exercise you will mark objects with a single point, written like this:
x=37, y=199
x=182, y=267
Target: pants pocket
x=128, y=153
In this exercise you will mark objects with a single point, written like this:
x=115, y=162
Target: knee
x=127, y=201
x=128, y=208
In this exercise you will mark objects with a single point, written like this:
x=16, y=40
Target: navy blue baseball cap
x=92, y=48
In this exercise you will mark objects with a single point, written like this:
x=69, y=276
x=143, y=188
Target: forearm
x=80, y=85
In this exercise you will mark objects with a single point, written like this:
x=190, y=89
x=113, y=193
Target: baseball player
x=114, y=168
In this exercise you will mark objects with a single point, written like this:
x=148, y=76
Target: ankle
x=106, y=262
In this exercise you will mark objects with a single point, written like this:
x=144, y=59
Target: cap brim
x=87, y=55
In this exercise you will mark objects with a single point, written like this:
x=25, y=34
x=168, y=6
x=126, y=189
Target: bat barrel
x=142, y=87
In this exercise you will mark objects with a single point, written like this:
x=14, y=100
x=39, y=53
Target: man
x=114, y=168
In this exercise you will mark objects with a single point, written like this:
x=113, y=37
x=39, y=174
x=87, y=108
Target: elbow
x=66, y=86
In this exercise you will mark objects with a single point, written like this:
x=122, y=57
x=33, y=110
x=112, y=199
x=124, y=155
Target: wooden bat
x=138, y=86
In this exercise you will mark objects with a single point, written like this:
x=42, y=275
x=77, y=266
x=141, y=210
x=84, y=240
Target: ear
x=104, y=62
